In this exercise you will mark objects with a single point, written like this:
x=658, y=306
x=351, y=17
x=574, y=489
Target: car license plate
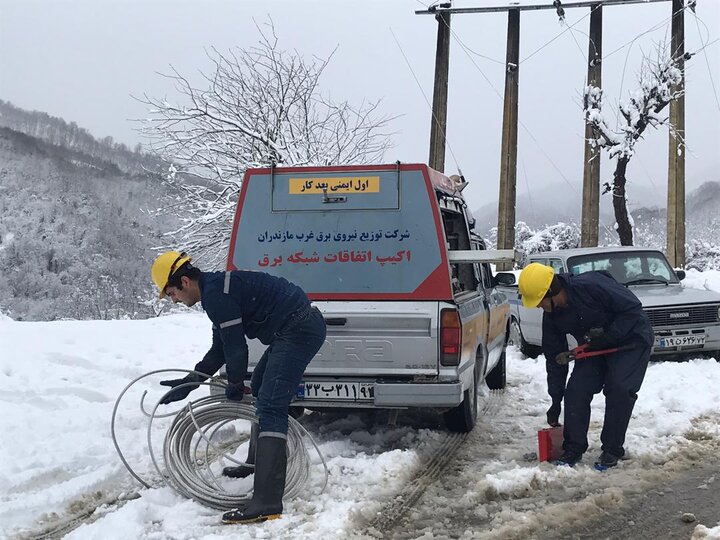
x=681, y=341
x=332, y=390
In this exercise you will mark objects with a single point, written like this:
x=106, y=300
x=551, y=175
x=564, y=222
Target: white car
x=684, y=320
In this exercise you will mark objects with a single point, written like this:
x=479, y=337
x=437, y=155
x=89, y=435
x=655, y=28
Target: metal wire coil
x=189, y=449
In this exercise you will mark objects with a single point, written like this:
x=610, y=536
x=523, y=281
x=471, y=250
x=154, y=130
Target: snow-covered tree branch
x=259, y=106
x=660, y=83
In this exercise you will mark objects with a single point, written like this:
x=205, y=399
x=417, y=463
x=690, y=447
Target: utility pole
x=508, y=151
x=508, y=158
x=438, y=122
x=591, y=173
x=676, y=153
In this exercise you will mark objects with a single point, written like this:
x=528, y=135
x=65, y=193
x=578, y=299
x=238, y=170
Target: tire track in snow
x=83, y=510
x=531, y=500
x=415, y=488
x=430, y=471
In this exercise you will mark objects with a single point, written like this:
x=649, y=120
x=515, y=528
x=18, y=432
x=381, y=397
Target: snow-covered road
x=59, y=382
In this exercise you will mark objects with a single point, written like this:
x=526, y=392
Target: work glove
x=553, y=414
x=564, y=358
x=235, y=391
x=597, y=339
x=180, y=393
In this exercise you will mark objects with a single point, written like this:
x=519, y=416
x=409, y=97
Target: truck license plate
x=343, y=391
x=680, y=341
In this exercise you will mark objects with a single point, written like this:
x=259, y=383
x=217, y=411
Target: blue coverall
x=596, y=300
x=250, y=304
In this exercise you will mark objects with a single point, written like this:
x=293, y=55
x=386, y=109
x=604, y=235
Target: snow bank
x=708, y=280
x=701, y=532
x=59, y=381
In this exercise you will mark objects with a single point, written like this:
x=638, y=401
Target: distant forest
x=71, y=137
x=79, y=219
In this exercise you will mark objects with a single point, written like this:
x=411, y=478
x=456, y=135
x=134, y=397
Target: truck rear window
x=344, y=233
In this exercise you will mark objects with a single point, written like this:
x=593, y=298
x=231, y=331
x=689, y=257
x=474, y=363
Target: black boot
x=606, y=461
x=243, y=471
x=269, y=484
x=568, y=459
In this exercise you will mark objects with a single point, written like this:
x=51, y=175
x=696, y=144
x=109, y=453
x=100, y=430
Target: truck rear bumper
x=397, y=395
x=418, y=394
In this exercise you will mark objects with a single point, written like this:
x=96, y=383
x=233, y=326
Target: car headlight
x=718, y=313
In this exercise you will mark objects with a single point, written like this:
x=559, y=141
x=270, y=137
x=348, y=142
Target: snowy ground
x=59, y=382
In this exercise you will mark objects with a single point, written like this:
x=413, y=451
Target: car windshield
x=631, y=267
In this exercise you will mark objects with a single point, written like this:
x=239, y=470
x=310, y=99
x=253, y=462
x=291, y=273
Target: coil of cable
x=190, y=447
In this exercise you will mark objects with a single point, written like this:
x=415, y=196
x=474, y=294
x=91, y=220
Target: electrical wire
x=427, y=101
x=568, y=29
x=656, y=26
x=189, y=449
x=707, y=61
x=520, y=122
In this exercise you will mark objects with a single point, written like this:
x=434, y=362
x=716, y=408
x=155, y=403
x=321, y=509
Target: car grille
x=684, y=315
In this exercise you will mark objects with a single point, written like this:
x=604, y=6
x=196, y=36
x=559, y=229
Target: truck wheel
x=496, y=379
x=531, y=351
x=461, y=419
x=516, y=338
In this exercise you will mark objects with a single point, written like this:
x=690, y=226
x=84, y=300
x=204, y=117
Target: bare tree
x=261, y=106
x=660, y=79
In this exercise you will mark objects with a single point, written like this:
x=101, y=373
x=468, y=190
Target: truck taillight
x=450, y=337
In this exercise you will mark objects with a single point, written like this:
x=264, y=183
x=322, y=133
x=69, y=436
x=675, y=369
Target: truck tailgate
x=375, y=339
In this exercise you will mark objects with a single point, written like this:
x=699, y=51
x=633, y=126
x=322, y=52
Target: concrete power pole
x=676, y=154
x=438, y=123
x=508, y=152
x=591, y=174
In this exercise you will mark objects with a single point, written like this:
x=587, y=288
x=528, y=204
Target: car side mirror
x=505, y=278
x=680, y=274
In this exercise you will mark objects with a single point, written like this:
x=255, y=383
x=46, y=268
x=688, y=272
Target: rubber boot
x=606, y=461
x=243, y=471
x=268, y=486
x=568, y=459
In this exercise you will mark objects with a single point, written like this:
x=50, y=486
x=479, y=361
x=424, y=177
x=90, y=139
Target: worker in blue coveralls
x=249, y=304
x=597, y=310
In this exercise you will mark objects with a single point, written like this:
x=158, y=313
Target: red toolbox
x=550, y=441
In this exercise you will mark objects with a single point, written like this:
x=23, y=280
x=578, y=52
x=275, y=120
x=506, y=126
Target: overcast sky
x=82, y=60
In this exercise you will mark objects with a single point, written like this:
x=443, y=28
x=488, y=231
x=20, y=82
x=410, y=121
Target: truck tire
x=462, y=418
x=496, y=379
x=516, y=338
x=532, y=351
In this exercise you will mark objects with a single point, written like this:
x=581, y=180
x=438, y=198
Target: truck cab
x=387, y=253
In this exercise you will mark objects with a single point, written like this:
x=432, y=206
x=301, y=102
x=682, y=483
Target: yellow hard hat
x=534, y=283
x=165, y=266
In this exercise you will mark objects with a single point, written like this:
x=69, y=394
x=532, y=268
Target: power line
x=435, y=119
x=527, y=189
x=522, y=124
x=651, y=29
x=570, y=27
x=572, y=34
x=707, y=62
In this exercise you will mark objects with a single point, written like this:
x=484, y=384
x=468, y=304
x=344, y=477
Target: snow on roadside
x=702, y=532
x=59, y=382
x=708, y=280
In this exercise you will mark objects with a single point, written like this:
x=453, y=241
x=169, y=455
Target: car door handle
x=336, y=321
